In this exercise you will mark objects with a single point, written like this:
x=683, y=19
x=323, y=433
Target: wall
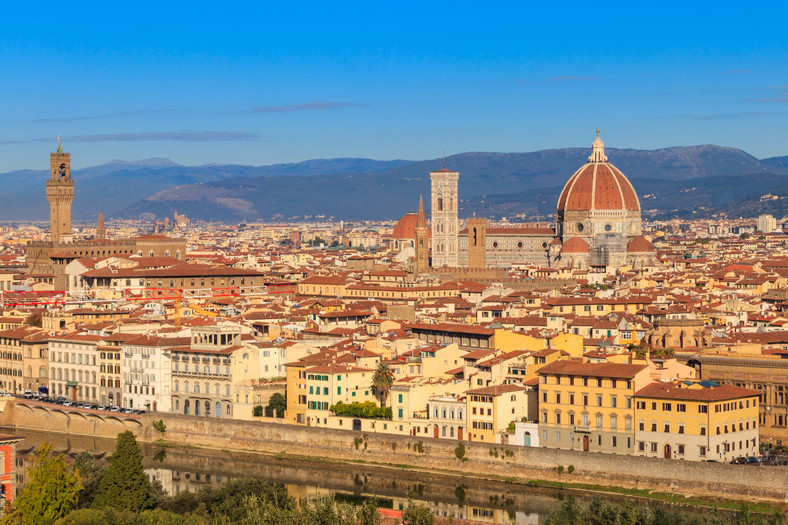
x=485, y=460
x=709, y=479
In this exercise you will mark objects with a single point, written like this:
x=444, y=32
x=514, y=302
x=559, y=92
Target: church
x=598, y=226
x=50, y=258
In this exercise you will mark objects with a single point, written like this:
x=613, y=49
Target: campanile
x=60, y=194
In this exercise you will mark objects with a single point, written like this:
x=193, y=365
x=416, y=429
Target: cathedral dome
x=640, y=244
x=598, y=185
x=575, y=245
x=406, y=227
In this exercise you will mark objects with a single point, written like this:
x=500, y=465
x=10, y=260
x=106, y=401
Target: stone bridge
x=35, y=415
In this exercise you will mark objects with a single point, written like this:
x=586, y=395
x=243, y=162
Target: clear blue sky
x=272, y=82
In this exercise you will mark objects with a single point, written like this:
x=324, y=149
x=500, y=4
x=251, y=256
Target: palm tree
x=382, y=381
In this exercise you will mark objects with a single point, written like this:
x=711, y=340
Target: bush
x=459, y=451
x=159, y=425
x=257, y=411
x=368, y=410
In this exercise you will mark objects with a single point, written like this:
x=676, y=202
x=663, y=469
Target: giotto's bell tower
x=60, y=194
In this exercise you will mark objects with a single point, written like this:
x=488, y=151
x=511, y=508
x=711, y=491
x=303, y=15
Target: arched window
x=218, y=409
x=42, y=372
x=207, y=408
x=186, y=407
x=440, y=203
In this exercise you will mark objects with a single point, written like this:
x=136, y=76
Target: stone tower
x=101, y=230
x=477, y=243
x=60, y=194
x=445, y=244
x=422, y=233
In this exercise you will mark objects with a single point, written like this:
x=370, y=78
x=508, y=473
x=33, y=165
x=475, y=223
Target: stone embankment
x=507, y=462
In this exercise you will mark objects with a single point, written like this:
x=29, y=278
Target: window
x=702, y=430
x=681, y=407
x=653, y=447
x=614, y=441
x=641, y=405
x=681, y=428
x=641, y=426
x=558, y=398
x=613, y=401
x=641, y=446
x=599, y=400
x=666, y=407
x=544, y=397
x=614, y=422
x=667, y=428
x=558, y=418
x=703, y=409
x=599, y=420
x=681, y=449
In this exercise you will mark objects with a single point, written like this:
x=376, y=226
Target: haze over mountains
x=681, y=181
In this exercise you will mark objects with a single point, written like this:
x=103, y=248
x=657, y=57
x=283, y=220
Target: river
x=181, y=469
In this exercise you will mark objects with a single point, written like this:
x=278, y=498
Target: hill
x=520, y=183
x=491, y=184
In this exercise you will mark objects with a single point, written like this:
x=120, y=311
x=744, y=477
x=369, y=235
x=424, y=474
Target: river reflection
x=189, y=469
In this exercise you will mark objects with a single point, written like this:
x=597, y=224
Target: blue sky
x=263, y=83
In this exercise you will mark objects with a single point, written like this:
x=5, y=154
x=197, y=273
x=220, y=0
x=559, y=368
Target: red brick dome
x=406, y=227
x=639, y=244
x=598, y=185
x=575, y=245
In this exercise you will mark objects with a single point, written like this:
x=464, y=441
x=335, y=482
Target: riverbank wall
x=506, y=462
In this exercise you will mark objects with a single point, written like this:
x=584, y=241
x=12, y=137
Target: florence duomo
x=598, y=226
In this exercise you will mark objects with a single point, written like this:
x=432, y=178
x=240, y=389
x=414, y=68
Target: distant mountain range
x=681, y=181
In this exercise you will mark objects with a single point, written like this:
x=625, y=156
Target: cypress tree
x=125, y=486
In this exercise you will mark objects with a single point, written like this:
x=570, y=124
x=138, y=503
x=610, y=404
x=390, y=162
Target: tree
x=51, y=492
x=125, y=486
x=415, y=514
x=90, y=471
x=382, y=381
x=279, y=403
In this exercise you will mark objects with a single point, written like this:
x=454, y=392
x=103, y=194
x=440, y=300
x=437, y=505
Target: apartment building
x=73, y=366
x=696, y=421
x=589, y=406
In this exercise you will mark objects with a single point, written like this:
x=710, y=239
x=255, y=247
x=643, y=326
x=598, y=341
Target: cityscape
x=579, y=335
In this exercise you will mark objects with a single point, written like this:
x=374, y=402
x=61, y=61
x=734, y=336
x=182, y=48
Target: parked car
x=68, y=403
x=114, y=408
x=128, y=411
x=60, y=400
x=753, y=461
x=89, y=405
x=101, y=407
x=28, y=394
x=741, y=460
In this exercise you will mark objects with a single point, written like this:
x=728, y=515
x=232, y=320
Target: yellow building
x=589, y=406
x=696, y=421
x=490, y=410
x=329, y=384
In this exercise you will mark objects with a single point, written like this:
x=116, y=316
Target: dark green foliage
x=110, y=516
x=257, y=411
x=228, y=499
x=278, y=403
x=368, y=409
x=459, y=451
x=125, y=486
x=599, y=513
x=159, y=425
x=90, y=471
